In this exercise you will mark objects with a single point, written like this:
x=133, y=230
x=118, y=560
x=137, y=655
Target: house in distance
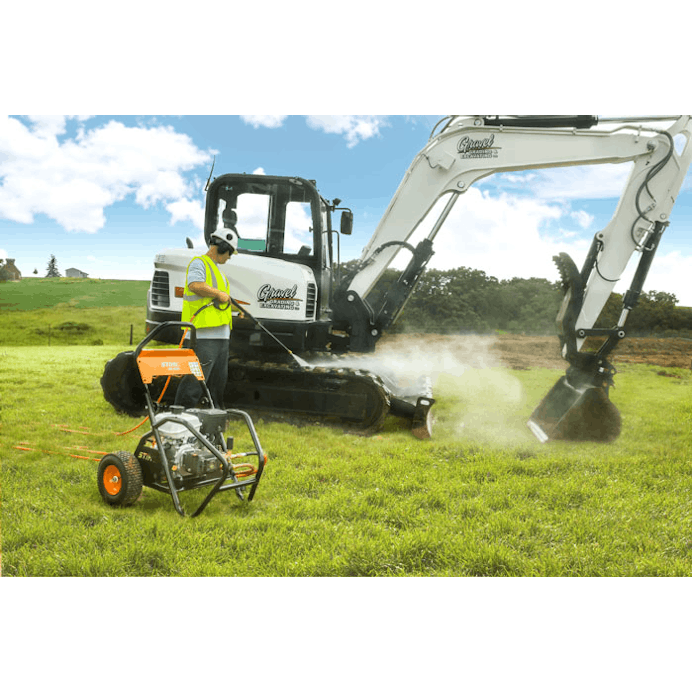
x=8, y=271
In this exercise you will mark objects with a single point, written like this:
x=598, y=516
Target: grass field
x=71, y=311
x=34, y=293
x=482, y=498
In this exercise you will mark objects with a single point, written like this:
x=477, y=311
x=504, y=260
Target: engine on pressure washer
x=187, y=457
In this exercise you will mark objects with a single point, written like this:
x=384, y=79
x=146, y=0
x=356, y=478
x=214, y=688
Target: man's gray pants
x=213, y=356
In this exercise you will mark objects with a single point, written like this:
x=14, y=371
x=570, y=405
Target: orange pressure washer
x=185, y=448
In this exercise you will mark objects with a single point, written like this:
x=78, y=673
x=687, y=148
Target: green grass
x=70, y=327
x=72, y=312
x=483, y=498
x=34, y=293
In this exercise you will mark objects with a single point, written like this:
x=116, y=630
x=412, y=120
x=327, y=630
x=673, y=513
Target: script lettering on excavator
x=268, y=293
x=477, y=148
x=278, y=298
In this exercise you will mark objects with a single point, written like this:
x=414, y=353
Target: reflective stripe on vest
x=209, y=317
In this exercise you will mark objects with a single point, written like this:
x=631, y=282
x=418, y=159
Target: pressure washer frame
x=151, y=453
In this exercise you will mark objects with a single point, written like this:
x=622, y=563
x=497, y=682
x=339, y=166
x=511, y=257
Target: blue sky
x=104, y=194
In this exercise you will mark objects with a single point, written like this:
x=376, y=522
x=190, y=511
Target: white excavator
x=287, y=276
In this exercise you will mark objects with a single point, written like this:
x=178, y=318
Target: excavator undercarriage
x=353, y=398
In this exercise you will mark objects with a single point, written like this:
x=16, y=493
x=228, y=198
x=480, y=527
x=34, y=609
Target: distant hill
x=35, y=293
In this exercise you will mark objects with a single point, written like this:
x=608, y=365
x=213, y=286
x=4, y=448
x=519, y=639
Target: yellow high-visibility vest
x=210, y=317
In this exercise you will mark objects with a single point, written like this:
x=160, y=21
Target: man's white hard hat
x=225, y=235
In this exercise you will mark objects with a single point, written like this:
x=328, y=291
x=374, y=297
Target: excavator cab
x=277, y=217
x=284, y=218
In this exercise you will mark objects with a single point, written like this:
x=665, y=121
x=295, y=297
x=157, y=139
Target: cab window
x=266, y=226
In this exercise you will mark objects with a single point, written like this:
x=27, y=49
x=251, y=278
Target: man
x=204, y=284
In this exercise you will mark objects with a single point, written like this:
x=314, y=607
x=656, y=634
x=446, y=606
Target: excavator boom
x=470, y=149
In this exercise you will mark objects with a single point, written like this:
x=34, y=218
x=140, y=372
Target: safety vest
x=209, y=317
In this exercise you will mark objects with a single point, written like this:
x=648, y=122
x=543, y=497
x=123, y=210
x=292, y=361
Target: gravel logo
x=278, y=298
x=477, y=148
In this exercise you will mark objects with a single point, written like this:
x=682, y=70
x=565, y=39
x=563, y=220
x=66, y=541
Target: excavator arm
x=468, y=149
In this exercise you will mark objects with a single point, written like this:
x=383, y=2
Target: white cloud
x=298, y=225
x=503, y=236
x=604, y=181
x=256, y=121
x=583, y=218
x=46, y=126
x=354, y=127
x=73, y=181
x=187, y=210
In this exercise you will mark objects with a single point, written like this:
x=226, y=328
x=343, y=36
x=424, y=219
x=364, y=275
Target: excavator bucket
x=577, y=408
x=578, y=414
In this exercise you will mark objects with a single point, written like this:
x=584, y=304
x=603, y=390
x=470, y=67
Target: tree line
x=463, y=300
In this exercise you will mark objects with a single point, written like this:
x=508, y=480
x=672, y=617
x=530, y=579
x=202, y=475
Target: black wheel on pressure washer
x=119, y=478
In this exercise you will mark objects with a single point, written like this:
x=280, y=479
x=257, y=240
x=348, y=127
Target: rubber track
x=354, y=397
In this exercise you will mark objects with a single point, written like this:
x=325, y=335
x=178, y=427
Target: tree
x=53, y=267
x=654, y=313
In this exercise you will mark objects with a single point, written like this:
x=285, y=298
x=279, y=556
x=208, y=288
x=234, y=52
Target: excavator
x=288, y=279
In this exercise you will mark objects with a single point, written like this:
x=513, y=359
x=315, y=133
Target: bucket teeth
x=570, y=308
x=569, y=274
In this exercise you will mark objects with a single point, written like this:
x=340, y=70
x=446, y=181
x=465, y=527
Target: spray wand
x=300, y=361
